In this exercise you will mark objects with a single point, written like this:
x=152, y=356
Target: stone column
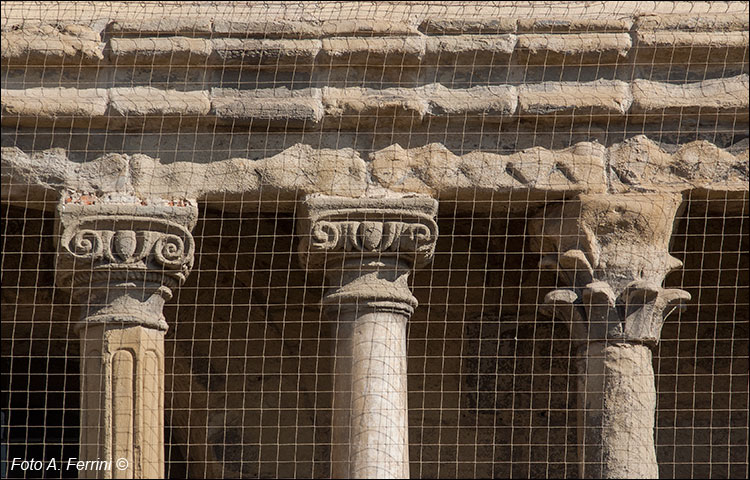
x=611, y=253
x=121, y=260
x=366, y=248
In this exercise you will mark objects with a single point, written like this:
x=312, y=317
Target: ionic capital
x=611, y=253
x=367, y=246
x=123, y=259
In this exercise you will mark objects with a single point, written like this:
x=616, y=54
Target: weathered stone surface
x=675, y=47
x=372, y=50
x=122, y=381
x=435, y=170
x=720, y=95
x=697, y=23
x=590, y=98
x=360, y=105
x=183, y=25
x=280, y=53
x=61, y=106
x=357, y=105
x=611, y=253
x=364, y=28
x=266, y=28
x=574, y=48
x=617, y=406
x=149, y=101
x=291, y=107
x=574, y=24
x=640, y=163
x=159, y=50
x=452, y=26
x=48, y=45
x=469, y=49
x=485, y=101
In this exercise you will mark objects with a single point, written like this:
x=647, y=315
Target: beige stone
x=697, y=23
x=47, y=45
x=611, y=97
x=290, y=107
x=599, y=48
x=451, y=26
x=575, y=24
x=611, y=253
x=469, y=49
x=281, y=53
x=122, y=400
x=617, y=405
x=159, y=50
x=180, y=25
x=640, y=163
x=720, y=95
x=60, y=106
x=150, y=101
x=278, y=28
x=371, y=50
x=717, y=49
x=367, y=247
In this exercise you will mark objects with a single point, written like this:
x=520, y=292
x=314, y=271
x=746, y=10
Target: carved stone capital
x=612, y=254
x=366, y=247
x=123, y=259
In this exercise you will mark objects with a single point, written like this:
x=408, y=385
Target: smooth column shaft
x=370, y=425
x=617, y=405
x=122, y=400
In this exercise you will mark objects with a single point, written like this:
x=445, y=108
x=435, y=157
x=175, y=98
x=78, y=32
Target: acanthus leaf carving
x=611, y=253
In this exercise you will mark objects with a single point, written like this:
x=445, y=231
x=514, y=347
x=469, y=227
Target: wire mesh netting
x=510, y=115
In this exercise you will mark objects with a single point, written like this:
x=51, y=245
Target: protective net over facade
x=337, y=239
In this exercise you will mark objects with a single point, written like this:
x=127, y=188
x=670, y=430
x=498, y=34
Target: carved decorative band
x=411, y=238
x=371, y=236
x=126, y=244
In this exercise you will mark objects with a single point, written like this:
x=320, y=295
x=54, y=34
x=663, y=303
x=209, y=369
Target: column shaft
x=617, y=405
x=122, y=400
x=370, y=433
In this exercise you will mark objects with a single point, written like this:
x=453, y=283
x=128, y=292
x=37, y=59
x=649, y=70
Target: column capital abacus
x=611, y=253
x=367, y=246
x=124, y=258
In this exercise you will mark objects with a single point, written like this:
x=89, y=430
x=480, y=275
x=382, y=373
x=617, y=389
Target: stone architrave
x=611, y=253
x=122, y=260
x=367, y=248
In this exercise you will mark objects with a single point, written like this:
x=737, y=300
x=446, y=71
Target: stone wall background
x=492, y=390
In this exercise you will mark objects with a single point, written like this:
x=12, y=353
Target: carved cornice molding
x=367, y=247
x=103, y=244
x=612, y=254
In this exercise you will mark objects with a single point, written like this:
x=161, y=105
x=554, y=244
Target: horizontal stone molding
x=474, y=180
x=356, y=106
x=224, y=42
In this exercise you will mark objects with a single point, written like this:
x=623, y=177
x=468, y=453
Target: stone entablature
x=474, y=180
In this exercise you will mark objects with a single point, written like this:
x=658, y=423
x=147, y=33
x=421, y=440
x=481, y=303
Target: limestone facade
x=374, y=240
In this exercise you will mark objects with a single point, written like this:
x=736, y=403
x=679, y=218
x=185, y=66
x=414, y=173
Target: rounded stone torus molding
x=367, y=247
x=122, y=260
x=612, y=254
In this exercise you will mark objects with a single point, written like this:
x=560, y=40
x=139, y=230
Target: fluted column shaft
x=611, y=253
x=121, y=262
x=367, y=247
